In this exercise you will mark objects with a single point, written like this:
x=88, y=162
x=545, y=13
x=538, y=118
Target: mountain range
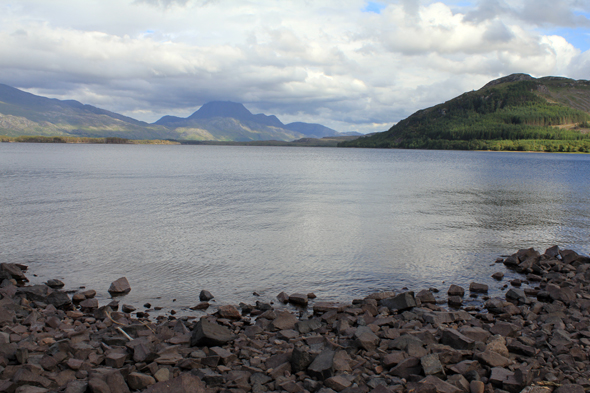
x=23, y=113
x=516, y=112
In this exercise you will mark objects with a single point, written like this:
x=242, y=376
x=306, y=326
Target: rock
x=440, y=385
x=573, y=388
x=455, y=301
x=476, y=387
x=432, y=365
x=426, y=297
x=298, y=299
x=14, y=270
x=498, y=276
x=321, y=367
x=478, y=288
x=139, y=381
x=117, y=383
x=120, y=287
x=492, y=359
x=517, y=295
x=284, y=321
x=210, y=334
x=407, y=367
x=89, y=304
x=337, y=383
x=98, y=385
x=455, y=290
x=184, y=383
x=283, y=297
x=205, y=296
x=126, y=308
x=365, y=338
x=301, y=358
x=229, y=312
x=308, y=325
x=401, y=302
x=54, y=284
x=78, y=386
x=201, y=306
x=454, y=339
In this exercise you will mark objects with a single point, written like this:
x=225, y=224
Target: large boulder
x=210, y=334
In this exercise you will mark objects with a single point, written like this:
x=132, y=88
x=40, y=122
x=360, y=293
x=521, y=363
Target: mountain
x=516, y=112
x=23, y=113
x=228, y=120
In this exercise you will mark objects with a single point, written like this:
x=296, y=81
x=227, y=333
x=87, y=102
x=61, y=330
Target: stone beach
x=535, y=339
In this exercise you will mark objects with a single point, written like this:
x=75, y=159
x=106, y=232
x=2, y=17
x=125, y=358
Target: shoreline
x=535, y=339
x=307, y=142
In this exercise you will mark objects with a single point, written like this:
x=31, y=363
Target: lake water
x=234, y=220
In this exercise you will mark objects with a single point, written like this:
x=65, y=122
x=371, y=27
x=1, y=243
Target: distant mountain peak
x=222, y=109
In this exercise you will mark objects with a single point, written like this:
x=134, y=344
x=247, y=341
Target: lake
x=234, y=220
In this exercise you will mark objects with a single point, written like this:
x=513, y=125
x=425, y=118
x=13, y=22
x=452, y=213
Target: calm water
x=338, y=222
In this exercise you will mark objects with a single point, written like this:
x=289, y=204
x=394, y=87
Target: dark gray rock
x=455, y=339
x=401, y=302
x=205, y=296
x=210, y=334
x=321, y=367
x=120, y=287
x=456, y=290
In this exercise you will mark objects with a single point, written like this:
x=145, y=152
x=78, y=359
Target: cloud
x=326, y=62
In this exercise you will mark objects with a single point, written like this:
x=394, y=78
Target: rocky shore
x=533, y=340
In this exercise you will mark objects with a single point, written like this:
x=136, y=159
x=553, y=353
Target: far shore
x=305, y=142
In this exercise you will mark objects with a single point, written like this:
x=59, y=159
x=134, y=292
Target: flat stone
x=120, y=286
x=478, y=288
x=498, y=276
x=284, y=321
x=492, y=359
x=54, y=283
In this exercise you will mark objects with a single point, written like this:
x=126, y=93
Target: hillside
x=26, y=114
x=22, y=113
x=517, y=112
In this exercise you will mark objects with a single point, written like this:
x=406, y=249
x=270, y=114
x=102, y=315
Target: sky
x=352, y=65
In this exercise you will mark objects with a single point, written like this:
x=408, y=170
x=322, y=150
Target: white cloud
x=325, y=61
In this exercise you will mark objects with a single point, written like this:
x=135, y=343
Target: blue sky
x=352, y=65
